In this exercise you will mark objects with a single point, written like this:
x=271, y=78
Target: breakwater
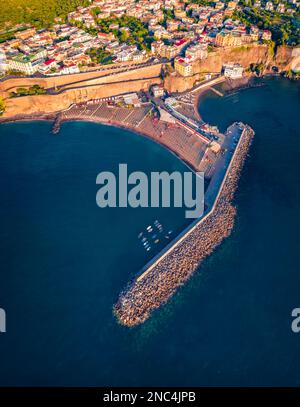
x=157, y=284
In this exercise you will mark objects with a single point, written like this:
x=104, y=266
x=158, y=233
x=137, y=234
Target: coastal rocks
x=151, y=290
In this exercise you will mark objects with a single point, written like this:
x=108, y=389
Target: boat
x=140, y=235
x=149, y=228
x=156, y=241
x=144, y=239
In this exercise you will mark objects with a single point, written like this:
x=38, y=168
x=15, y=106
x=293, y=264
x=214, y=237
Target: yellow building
x=232, y=5
x=224, y=39
x=24, y=35
x=183, y=67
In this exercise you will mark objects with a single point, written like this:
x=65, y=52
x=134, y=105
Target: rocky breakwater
x=154, y=287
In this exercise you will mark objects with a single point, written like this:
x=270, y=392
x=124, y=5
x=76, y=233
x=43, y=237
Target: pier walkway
x=175, y=266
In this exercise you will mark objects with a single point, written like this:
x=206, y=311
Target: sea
x=64, y=260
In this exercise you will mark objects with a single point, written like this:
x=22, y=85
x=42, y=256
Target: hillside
x=40, y=13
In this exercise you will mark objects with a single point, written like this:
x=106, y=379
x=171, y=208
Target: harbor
x=172, y=268
x=174, y=123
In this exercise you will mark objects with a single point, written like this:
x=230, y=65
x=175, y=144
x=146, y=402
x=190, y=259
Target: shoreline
x=132, y=130
x=176, y=263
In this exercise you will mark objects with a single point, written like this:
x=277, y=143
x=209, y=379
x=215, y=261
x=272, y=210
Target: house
x=24, y=35
x=228, y=39
x=23, y=63
x=269, y=6
x=158, y=91
x=280, y=8
x=132, y=99
x=266, y=35
x=233, y=71
x=48, y=65
x=183, y=66
x=68, y=69
x=196, y=52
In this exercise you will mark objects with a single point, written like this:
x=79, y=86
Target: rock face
x=244, y=55
x=74, y=91
x=89, y=85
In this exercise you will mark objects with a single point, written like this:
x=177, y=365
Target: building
x=266, y=35
x=158, y=91
x=3, y=61
x=47, y=66
x=232, y=5
x=269, y=6
x=183, y=66
x=196, y=52
x=233, y=71
x=26, y=64
x=280, y=8
x=131, y=99
x=228, y=39
x=25, y=34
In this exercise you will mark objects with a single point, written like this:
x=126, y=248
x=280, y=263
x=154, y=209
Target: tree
x=2, y=106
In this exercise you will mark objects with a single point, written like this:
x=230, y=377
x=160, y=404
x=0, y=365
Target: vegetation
x=292, y=75
x=137, y=34
x=204, y=2
x=2, y=106
x=40, y=13
x=285, y=28
x=13, y=72
x=168, y=15
x=258, y=69
x=99, y=56
x=33, y=90
x=80, y=24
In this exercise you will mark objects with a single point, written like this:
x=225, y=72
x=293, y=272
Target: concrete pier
x=173, y=267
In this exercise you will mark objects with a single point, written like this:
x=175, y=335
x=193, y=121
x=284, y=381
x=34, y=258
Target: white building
x=3, y=61
x=233, y=71
x=157, y=91
x=24, y=64
x=195, y=52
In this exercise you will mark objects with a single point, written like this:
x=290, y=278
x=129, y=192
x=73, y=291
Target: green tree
x=2, y=106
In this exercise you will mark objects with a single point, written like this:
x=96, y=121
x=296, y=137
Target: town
x=109, y=32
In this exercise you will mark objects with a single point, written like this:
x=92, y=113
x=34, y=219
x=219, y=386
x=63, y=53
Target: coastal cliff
x=64, y=90
x=74, y=89
x=244, y=55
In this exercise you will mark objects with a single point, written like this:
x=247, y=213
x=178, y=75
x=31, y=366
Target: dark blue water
x=64, y=260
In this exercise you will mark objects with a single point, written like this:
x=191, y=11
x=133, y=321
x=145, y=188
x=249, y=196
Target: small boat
x=170, y=231
x=156, y=241
x=148, y=248
x=149, y=228
x=140, y=235
x=154, y=236
x=144, y=239
x=145, y=243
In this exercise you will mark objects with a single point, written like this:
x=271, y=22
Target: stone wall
x=49, y=104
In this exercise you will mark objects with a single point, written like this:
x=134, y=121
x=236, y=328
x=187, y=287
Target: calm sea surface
x=63, y=260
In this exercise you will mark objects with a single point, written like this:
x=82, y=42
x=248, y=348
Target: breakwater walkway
x=179, y=261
